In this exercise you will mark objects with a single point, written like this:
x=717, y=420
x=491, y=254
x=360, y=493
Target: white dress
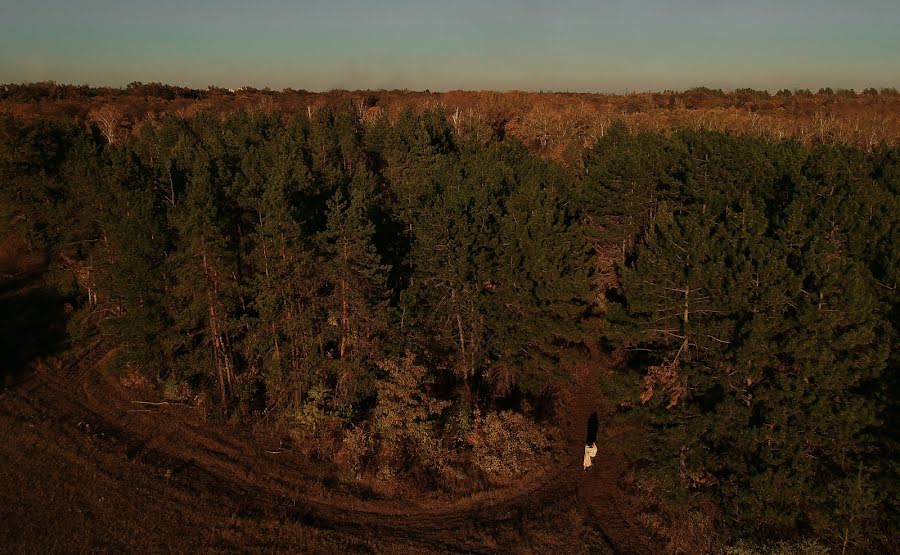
x=590, y=451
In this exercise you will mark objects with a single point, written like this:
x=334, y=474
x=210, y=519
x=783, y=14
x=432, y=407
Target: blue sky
x=576, y=45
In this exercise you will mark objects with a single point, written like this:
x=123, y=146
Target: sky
x=561, y=45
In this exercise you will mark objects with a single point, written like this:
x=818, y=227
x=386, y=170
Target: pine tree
x=499, y=268
x=204, y=265
x=764, y=332
x=355, y=304
x=132, y=253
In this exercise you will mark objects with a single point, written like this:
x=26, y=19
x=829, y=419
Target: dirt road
x=86, y=466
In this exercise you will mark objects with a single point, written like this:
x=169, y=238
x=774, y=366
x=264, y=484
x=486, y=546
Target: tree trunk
x=220, y=345
x=345, y=315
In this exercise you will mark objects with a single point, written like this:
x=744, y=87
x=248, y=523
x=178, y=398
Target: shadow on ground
x=32, y=325
x=592, y=427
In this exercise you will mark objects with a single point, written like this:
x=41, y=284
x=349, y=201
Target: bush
x=175, y=390
x=400, y=437
x=506, y=444
x=354, y=451
x=316, y=424
x=402, y=429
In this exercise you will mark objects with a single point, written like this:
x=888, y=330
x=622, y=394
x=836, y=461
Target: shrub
x=316, y=424
x=354, y=450
x=402, y=429
x=175, y=390
x=506, y=444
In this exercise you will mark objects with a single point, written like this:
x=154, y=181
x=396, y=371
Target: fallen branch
x=156, y=404
x=719, y=340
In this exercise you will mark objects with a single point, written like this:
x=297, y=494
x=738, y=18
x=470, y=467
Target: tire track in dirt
x=197, y=462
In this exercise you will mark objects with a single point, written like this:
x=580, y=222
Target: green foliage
x=500, y=267
x=175, y=390
x=356, y=301
x=752, y=298
x=316, y=423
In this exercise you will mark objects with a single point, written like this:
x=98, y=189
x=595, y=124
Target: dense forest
x=406, y=297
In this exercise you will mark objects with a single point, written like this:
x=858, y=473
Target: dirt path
x=599, y=489
x=161, y=467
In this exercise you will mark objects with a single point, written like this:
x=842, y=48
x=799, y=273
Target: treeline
x=42, y=91
x=554, y=125
x=408, y=297
x=758, y=307
x=49, y=91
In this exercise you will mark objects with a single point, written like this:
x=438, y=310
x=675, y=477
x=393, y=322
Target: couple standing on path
x=590, y=444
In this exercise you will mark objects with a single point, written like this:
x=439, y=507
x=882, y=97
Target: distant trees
x=557, y=126
x=52, y=91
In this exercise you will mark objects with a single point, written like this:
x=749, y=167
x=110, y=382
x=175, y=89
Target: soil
x=89, y=463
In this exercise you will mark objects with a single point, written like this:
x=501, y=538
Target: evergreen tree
x=356, y=284
x=764, y=330
x=499, y=267
x=132, y=251
x=205, y=265
x=282, y=341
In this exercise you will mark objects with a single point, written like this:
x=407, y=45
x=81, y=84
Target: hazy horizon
x=575, y=45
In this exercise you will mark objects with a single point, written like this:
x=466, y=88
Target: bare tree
x=108, y=119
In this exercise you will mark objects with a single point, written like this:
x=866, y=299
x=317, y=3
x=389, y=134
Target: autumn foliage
x=556, y=125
